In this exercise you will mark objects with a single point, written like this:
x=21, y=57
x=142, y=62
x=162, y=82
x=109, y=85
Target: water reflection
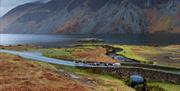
x=65, y=40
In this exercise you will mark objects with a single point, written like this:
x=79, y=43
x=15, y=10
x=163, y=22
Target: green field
x=165, y=86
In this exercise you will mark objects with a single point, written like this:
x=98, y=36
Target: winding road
x=37, y=56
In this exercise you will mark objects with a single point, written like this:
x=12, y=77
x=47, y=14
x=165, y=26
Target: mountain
x=94, y=17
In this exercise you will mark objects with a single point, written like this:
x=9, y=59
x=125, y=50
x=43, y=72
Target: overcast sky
x=6, y=5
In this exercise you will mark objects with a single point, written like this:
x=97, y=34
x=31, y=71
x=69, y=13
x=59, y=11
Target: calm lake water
x=67, y=40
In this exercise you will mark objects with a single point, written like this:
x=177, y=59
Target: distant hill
x=94, y=17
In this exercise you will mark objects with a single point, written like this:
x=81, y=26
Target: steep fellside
x=94, y=17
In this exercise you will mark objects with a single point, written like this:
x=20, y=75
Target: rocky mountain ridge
x=94, y=17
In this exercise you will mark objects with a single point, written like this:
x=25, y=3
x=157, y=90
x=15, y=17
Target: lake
x=48, y=40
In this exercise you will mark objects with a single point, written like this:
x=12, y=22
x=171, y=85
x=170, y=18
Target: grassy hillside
x=18, y=74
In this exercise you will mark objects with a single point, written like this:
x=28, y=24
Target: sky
x=6, y=5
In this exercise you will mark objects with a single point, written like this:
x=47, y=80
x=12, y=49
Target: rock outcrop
x=94, y=17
